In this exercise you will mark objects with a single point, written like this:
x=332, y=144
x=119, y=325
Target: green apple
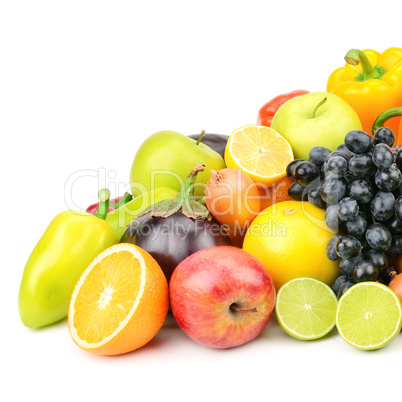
x=166, y=158
x=308, y=121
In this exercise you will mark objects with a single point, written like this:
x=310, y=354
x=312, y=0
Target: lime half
x=369, y=315
x=306, y=308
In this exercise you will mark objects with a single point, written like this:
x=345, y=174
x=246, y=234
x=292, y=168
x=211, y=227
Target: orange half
x=260, y=152
x=119, y=303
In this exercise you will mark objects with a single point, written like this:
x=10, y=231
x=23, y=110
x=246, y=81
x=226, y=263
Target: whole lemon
x=290, y=238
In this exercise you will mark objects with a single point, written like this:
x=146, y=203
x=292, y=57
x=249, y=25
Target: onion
x=395, y=284
x=233, y=200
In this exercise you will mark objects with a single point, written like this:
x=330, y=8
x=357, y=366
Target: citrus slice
x=305, y=308
x=260, y=152
x=369, y=315
x=120, y=301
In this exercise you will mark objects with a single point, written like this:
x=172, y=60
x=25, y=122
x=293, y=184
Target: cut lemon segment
x=305, y=308
x=260, y=152
x=120, y=301
x=369, y=315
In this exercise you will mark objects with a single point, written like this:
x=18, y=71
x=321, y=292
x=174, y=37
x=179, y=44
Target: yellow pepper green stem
x=356, y=56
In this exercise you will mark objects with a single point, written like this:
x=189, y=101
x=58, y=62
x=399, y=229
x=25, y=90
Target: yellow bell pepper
x=370, y=82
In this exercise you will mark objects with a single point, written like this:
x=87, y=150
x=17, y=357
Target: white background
x=82, y=84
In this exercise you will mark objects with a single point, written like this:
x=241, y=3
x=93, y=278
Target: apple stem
x=239, y=310
x=320, y=104
x=200, y=137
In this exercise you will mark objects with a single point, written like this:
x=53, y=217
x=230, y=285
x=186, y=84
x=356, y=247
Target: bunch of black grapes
x=360, y=187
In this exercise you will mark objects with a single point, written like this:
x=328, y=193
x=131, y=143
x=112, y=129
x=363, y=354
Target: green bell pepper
x=71, y=241
x=120, y=218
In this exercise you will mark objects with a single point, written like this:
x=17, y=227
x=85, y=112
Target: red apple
x=222, y=297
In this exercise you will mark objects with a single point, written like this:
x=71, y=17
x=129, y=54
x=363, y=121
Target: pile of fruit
x=299, y=214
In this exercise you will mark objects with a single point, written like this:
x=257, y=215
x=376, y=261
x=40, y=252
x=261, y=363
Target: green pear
x=308, y=121
x=166, y=158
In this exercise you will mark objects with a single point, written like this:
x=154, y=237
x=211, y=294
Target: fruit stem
x=384, y=116
x=185, y=201
x=356, y=56
x=187, y=189
x=104, y=199
x=199, y=168
x=200, y=137
x=320, y=104
x=235, y=307
x=124, y=200
x=392, y=275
